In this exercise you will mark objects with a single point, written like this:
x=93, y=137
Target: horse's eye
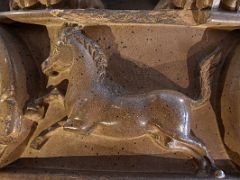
x=54, y=73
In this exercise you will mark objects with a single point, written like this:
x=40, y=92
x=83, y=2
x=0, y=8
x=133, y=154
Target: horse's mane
x=98, y=56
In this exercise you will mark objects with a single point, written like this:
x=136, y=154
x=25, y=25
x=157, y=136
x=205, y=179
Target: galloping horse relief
x=96, y=105
x=73, y=4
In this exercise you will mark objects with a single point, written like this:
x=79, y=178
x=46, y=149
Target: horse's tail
x=212, y=63
x=208, y=67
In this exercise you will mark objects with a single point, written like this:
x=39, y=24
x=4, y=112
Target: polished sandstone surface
x=120, y=91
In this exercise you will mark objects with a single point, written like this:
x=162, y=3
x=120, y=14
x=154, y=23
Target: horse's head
x=75, y=58
x=58, y=64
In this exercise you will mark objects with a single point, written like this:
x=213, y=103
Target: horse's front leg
x=37, y=108
x=42, y=111
x=83, y=121
x=79, y=126
x=44, y=136
x=84, y=117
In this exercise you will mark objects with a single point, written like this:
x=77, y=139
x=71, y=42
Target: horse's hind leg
x=172, y=145
x=189, y=147
x=201, y=149
x=203, y=162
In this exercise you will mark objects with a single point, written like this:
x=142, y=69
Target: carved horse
x=96, y=105
x=200, y=4
x=74, y=4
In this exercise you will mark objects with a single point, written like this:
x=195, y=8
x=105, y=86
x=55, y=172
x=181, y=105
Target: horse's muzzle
x=47, y=67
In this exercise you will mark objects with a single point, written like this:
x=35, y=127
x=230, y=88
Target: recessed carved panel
x=80, y=82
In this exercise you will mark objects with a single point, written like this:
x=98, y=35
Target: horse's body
x=95, y=105
x=116, y=116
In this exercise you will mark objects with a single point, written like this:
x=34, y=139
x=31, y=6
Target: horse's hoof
x=219, y=174
x=38, y=142
x=34, y=113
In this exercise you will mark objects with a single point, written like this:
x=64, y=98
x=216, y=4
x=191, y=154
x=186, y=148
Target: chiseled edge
x=101, y=17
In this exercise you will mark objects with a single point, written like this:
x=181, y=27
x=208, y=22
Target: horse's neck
x=106, y=88
x=100, y=84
